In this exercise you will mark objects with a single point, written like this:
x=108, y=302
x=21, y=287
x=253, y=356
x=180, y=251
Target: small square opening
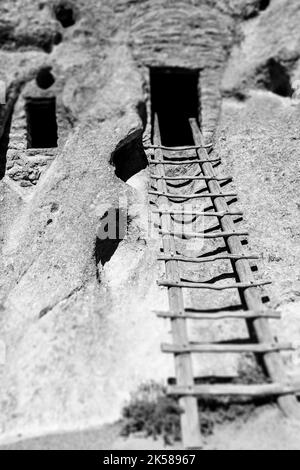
x=175, y=99
x=41, y=123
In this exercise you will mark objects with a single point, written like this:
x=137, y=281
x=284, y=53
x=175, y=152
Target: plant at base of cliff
x=152, y=413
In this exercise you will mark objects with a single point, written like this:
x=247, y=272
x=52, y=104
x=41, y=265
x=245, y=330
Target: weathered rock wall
x=80, y=336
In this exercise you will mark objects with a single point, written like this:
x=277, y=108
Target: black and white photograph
x=149, y=228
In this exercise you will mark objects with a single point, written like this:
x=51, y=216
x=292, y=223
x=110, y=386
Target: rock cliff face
x=76, y=315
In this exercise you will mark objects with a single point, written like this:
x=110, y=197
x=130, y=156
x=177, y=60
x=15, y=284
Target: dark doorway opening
x=175, y=99
x=41, y=123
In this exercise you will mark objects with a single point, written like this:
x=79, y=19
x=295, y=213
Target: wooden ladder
x=255, y=314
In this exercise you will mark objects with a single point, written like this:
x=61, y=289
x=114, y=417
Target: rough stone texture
x=26, y=165
x=273, y=34
x=81, y=336
x=265, y=430
x=259, y=141
x=49, y=260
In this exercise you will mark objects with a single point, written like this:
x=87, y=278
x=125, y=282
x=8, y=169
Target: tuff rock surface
x=80, y=333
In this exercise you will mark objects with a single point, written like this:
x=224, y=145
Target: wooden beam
x=191, y=196
x=220, y=315
x=192, y=178
x=193, y=162
x=176, y=149
x=195, y=213
x=197, y=285
x=203, y=235
x=259, y=348
x=255, y=391
x=208, y=259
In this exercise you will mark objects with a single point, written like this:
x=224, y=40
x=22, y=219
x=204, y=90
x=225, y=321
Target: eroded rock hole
x=277, y=79
x=41, y=123
x=45, y=79
x=129, y=159
x=111, y=232
x=142, y=111
x=175, y=99
x=54, y=207
x=263, y=4
x=65, y=14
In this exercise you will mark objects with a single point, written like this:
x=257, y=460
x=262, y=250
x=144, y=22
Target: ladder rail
x=260, y=326
x=190, y=424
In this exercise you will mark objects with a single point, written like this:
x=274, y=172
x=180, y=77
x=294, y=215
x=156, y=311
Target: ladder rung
x=219, y=316
x=197, y=285
x=178, y=149
x=185, y=162
x=186, y=158
x=196, y=213
x=191, y=178
x=208, y=259
x=203, y=235
x=192, y=196
x=259, y=348
x=259, y=390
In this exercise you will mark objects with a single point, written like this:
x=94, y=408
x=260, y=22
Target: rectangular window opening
x=175, y=99
x=41, y=123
